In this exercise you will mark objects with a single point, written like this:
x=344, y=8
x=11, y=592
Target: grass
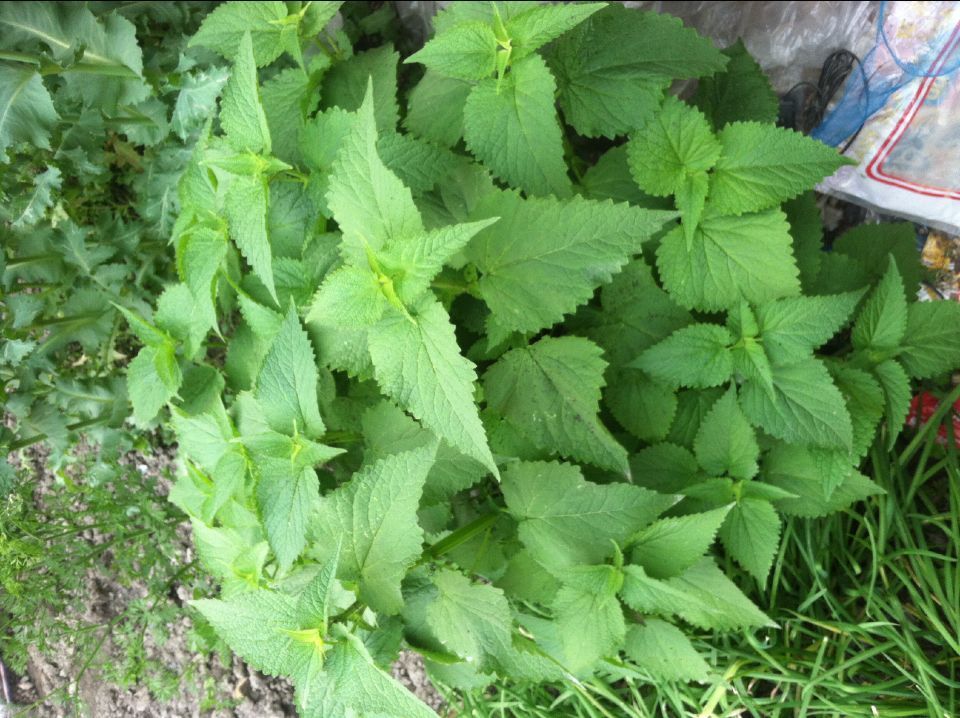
x=868, y=607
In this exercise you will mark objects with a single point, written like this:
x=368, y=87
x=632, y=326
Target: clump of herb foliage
x=510, y=356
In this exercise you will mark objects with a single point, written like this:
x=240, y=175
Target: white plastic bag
x=899, y=117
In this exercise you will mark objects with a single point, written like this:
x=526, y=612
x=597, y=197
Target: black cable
x=808, y=101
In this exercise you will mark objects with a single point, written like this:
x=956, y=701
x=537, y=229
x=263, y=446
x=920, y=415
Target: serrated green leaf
x=420, y=164
x=263, y=321
x=729, y=259
x=287, y=383
x=566, y=521
x=792, y=328
x=262, y=628
x=751, y=534
x=545, y=256
x=286, y=494
x=287, y=487
x=150, y=335
x=839, y=272
x=223, y=30
x=204, y=437
x=794, y=469
x=231, y=555
x=589, y=617
x=313, y=605
x=695, y=356
x=153, y=378
x=323, y=135
x=350, y=297
x=374, y=515
x=511, y=126
x=28, y=210
x=345, y=85
x=931, y=345
x=691, y=199
x=286, y=98
x=435, y=108
x=701, y=595
x=550, y=392
x=636, y=314
x=610, y=178
x=387, y=430
x=741, y=92
x=197, y=99
x=692, y=406
x=200, y=254
x=241, y=112
x=470, y=619
x=28, y=113
x=317, y=15
x=527, y=580
x=467, y=51
x=351, y=684
x=416, y=261
x=805, y=407
x=882, y=323
x=726, y=443
x=665, y=468
x=643, y=407
x=750, y=361
x=806, y=229
x=180, y=316
x=613, y=68
x=762, y=165
x=869, y=247
x=369, y=202
x=670, y=546
x=677, y=143
x=664, y=652
x=456, y=13
x=246, y=208
x=534, y=28
x=865, y=402
x=418, y=363
x=201, y=389
x=711, y=493
x=896, y=390
x=834, y=466
x=112, y=62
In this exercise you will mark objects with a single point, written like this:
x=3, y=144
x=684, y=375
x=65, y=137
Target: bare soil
x=209, y=688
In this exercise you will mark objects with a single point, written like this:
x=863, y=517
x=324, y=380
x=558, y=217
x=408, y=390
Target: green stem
x=20, y=57
x=462, y=535
x=111, y=121
x=67, y=319
x=108, y=346
x=76, y=426
x=343, y=437
x=32, y=259
x=90, y=68
x=46, y=67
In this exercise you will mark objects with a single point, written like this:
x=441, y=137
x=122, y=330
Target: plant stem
x=76, y=426
x=462, y=535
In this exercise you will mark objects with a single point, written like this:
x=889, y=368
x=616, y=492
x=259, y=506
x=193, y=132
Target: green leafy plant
x=489, y=398
x=101, y=105
x=94, y=133
x=866, y=607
